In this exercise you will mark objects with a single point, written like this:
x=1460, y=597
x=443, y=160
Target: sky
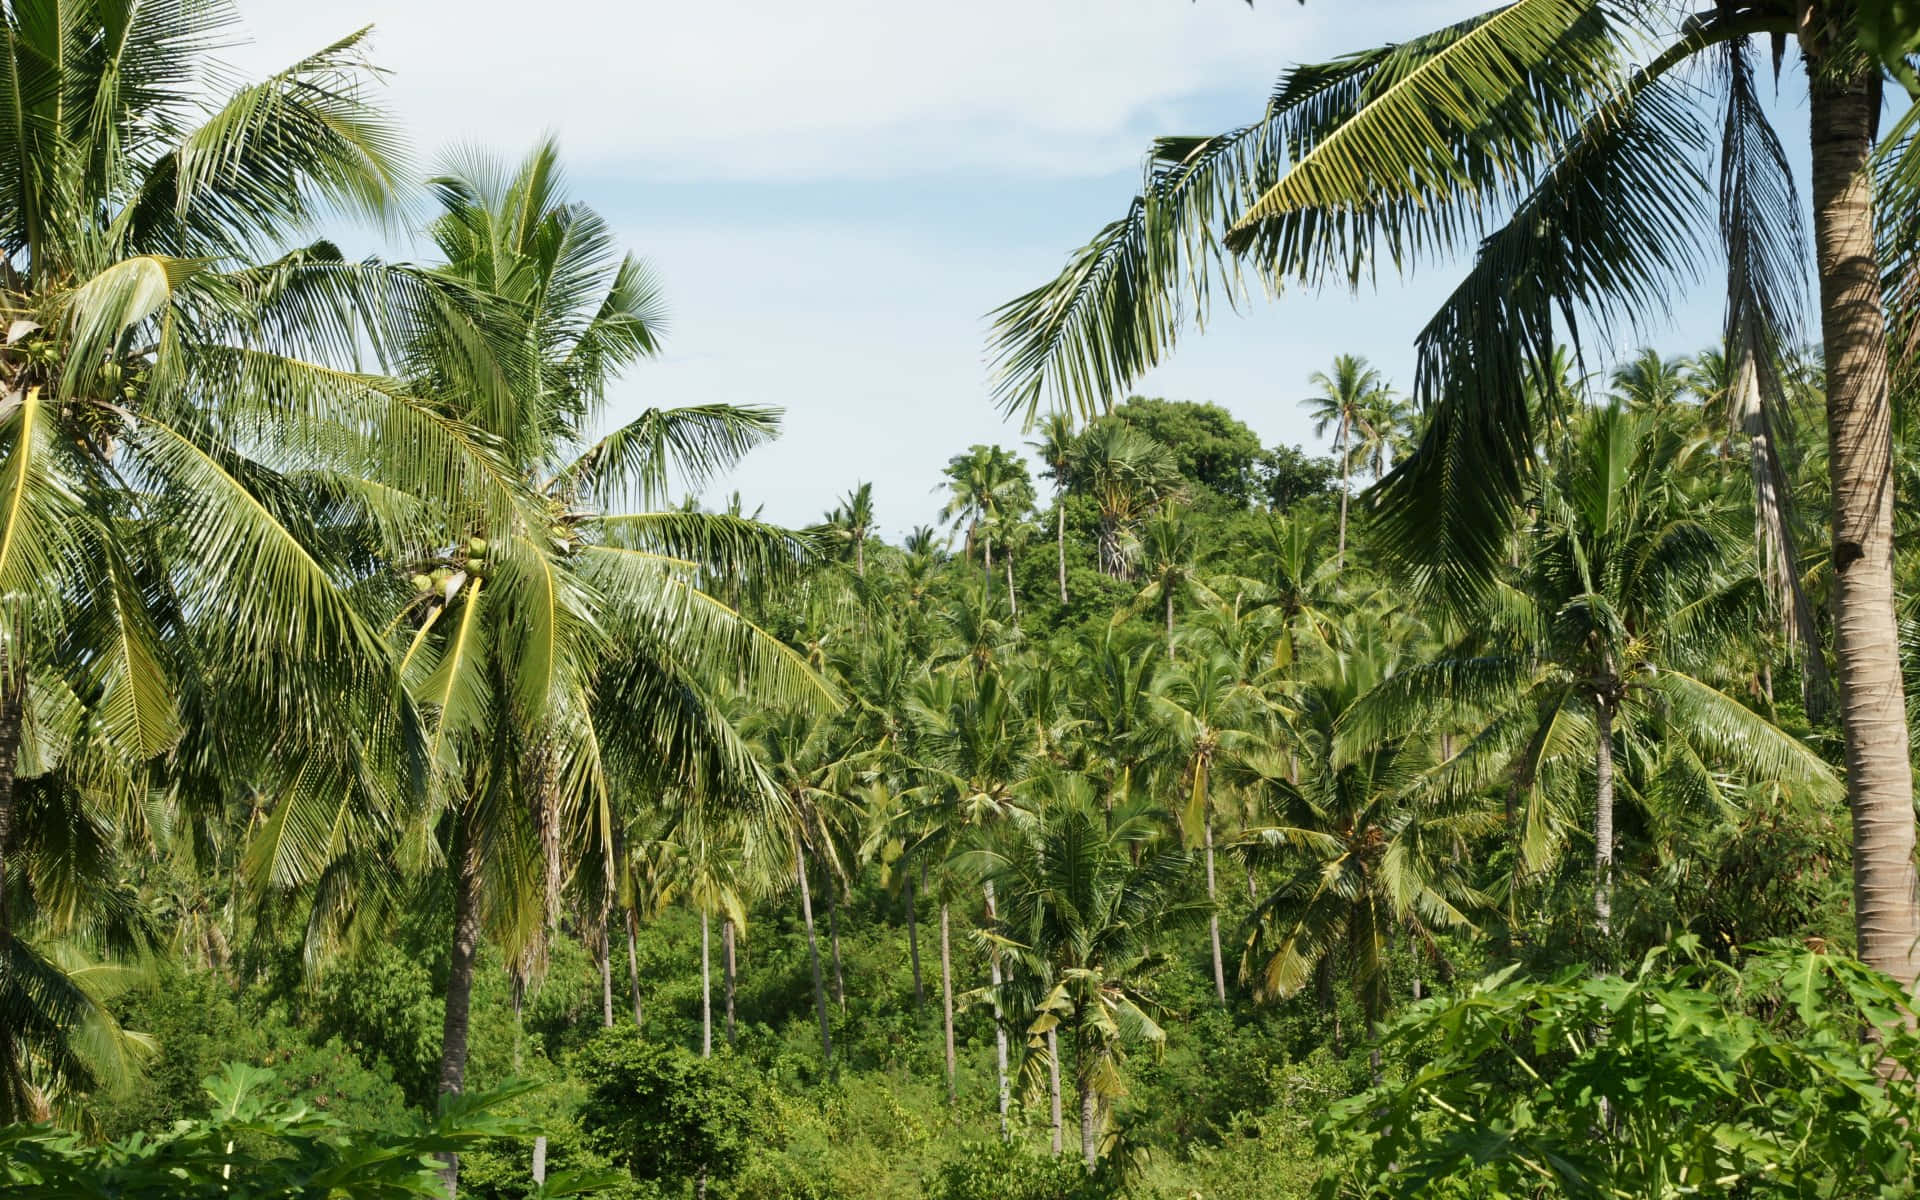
x=835, y=193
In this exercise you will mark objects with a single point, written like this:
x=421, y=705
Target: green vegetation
x=404, y=791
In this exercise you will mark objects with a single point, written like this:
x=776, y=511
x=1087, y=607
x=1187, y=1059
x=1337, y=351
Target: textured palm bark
x=1603, y=818
x=913, y=944
x=727, y=966
x=633, y=960
x=1089, y=1104
x=999, y=1017
x=813, y=955
x=833, y=937
x=1053, y=1086
x=706, y=985
x=1060, y=542
x=12, y=705
x=946, y=996
x=1859, y=439
x=466, y=942
x=1213, y=923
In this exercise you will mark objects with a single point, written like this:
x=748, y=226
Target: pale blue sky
x=835, y=192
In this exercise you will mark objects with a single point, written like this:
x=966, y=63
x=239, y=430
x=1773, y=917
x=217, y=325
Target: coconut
x=422, y=583
x=477, y=547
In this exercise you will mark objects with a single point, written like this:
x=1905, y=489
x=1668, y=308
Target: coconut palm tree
x=1127, y=475
x=1085, y=899
x=851, y=523
x=187, y=424
x=1635, y=591
x=1559, y=142
x=1055, y=450
x=985, y=485
x=1169, y=553
x=1650, y=379
x=1346, y=399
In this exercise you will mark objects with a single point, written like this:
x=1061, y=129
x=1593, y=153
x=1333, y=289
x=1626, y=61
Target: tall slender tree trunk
x=1167, y=602
x=1844, y=105
x=1340, y=448
x=833, y=939
x=1213, y=921
x=1013, y=597
x=946, y=997
x=1089, y=1104
x=727, y=968
x=706, y=985
x=466, y=945
x=999, y=1017
x=540, y=1159
x=633, y=960
x=12, y=706
x=860, y=557
x=813, y=955
x=603, y=950
x=1060, y=540
x=913, y=944
x=1053, y=1085
x=1603, y=817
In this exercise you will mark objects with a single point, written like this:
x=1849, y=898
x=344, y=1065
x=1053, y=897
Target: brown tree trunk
x=1060, y=541
x=913, y=944
x=633, y=960
x=1213, y=921
x=1844, y=105
x=1053, y=1086
x=946, y=997
x=1603, y=818
x=833, y=939
x=999, y=1017
x=727, y=968
x=813, y=955
x=466, y=944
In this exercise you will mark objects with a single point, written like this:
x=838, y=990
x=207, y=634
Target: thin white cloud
x=743, y=89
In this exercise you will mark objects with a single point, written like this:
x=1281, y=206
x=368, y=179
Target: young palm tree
x=984, y=485
x=851, y=524
x=1127, y=475
x=1558, y=142
x=1170, y=554
x=1082, y=911
x=1634, y=588
x=1055, y=449
x=1347, y=399
x=1650, y=380
x=184, y=422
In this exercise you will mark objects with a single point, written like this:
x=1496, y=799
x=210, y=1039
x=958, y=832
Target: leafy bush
x=1688, y=1077
x=663, y=1113
x=1005, y=1171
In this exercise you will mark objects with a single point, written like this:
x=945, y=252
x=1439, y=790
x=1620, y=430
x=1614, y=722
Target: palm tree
x=566, y=654
x=1055, y=449
x=1126, y=474
x=184, y=427
x=1207, y=710
x=1365, y=854
x=1634, y=589
x=1590, y=116
x=1650, y=380
x=1384, y=434
x=984, y=485
x=1082, y=911
x=851, y=523
x=1170, y=552
x=1346, y=400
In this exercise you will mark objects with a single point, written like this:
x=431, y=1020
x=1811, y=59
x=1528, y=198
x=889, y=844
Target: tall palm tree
x=1055, y=449
x=1634, y=592
x=851, y=523
x=1127, y=474
x=1650, y=379
x=1559, y=143
x=1082, y=911
x=984, y=485
x=185, y=422
x=1208, y=712
x=1170, y=554
x=1346, y=400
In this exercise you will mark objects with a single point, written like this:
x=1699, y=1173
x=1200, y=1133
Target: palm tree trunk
x=1053, y=1085
x=1844, y=106
x=1089, y=1105
x=540, y=1159
x=946, y=997
x=913, y=944
x=813, y=954
x=860, y=557
x=706, y=985
x=999, y=1018
x=603, y=950
x=726, y=966
x=1213, y=921
x=1013, y=598
x=12, y=713
x=1167, y=598
x=1603, y=818
x=1340, y=448
x=633, y=960
x=833, y=939
x=466, y=944
x=1060, y=541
